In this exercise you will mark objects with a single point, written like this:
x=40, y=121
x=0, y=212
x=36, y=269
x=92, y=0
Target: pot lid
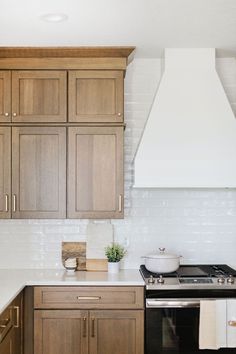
x=161, y=254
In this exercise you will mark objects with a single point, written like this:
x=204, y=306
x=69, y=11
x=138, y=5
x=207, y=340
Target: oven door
x=172, y=327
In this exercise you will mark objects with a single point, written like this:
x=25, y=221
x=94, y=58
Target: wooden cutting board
x=75, y=250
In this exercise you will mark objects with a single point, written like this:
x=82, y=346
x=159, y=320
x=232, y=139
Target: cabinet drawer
x=89, y=297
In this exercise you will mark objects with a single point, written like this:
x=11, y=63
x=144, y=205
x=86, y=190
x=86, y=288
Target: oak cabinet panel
x=61, y=332
x=39, y=96
x=11, y=328
x=95, y=172
x=6, y=346
x=39, y=172
x=116, y=332
x=88, y=297
x=17, y=313
x=5, y=172
x=88, y=321
x=5, y=96
x=96, y=96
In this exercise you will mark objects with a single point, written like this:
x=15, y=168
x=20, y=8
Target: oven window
x=175, y=331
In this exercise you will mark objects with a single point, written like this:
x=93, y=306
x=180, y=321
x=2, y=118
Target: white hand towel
x=231, y=317
x=212, y=325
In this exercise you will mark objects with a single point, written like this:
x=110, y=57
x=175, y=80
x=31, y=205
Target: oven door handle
x=157, y=303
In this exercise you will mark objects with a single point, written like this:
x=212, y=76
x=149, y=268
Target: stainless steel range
x=173, y=306
x=201, y=276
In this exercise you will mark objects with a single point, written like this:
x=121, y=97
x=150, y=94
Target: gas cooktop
x=201, y=275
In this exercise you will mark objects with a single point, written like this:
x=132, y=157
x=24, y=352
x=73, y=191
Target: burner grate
x=196, y=271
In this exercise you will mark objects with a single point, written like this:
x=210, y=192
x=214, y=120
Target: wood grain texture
x=39, y=96
x=96, y=265
x=18, y=311
x=75, y=250
x=116, y=332
x=39, y=172
x=95, y=172
x=28, y=320
x=6, y=347
x=5, y=172
x=108, y=297
x=63, y=63
x=96, y=96
x=5, y=96
x=60, y=332
x=66, y=52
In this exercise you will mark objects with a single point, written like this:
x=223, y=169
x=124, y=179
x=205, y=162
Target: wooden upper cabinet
x=95, y=172
x=39, y=96
x=5, y=96
x=5, y=172
x=96, y=96
x=39, y=172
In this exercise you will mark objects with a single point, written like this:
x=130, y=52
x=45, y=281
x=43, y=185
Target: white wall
x=199, y=224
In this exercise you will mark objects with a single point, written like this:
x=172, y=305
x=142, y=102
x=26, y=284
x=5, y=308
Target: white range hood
x=190, y=136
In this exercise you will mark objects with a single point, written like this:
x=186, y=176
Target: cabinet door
x=96, y=96
x=60, y=332
x=17, y=308
x=116, y=332
x=95, y=172
x=38, y=172
x=5, y=172
x=5, y=96
x=39, y=96
x=6, y=346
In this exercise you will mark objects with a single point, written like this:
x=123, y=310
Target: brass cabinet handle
x=120, y=204
x=14, y=203
x=14, y=114
x=119, y=114
x=6, y=202
x=6, y=114
x=84, y=327
x=232, y=323
x=5, y=325
x=89, y=297
x=93, y=327
x=17, y=310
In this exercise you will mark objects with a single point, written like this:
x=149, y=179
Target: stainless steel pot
x=162, y=262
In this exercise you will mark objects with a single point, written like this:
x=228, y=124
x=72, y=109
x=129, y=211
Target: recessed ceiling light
x=54, y=17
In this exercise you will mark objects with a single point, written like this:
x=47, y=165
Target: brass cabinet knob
x=6, y=114
x=119, y=114
x=14, y=114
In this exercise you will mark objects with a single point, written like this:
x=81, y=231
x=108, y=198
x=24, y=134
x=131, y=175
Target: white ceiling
x=150, y=25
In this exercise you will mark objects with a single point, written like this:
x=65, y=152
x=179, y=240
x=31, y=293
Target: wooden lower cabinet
x=11, y=328
x=17, y=314
x=60, y=332
x=88, y=332
x=116, y=332
x=6, y=346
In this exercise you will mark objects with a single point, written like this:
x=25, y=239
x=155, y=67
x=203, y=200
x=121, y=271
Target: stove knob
x=221, y=280
x=151, y=280
x=230, y=279
x=160, y=280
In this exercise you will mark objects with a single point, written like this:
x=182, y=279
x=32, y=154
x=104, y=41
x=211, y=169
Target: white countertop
x=13, y=281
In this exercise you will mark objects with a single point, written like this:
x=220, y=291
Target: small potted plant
x=114, y=254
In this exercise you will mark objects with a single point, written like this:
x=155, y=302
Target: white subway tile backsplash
x=198, y=224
